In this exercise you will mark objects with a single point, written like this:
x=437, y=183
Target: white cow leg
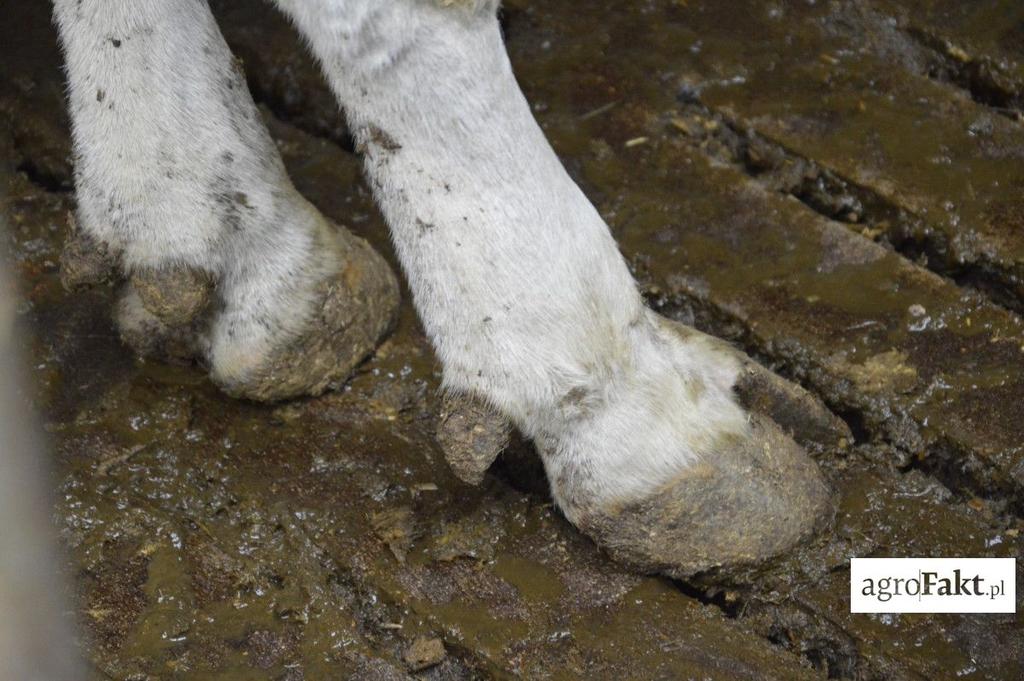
x=181, y=188
x=532, y=309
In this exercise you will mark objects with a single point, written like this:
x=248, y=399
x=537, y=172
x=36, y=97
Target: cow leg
x=181, y=190
x=532, y=309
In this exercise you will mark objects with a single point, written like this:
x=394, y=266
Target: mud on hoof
x=354, y=310
x=161, y=313
x=84, y=261
x=744, y=501
x=758, y=497
x=471, y=435
x=152, y=338
x=724, y=517
x=167, y=314
x=177, y=296
x=754, y=497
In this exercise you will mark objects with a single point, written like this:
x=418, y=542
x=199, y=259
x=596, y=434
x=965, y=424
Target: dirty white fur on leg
x=516, y=277
x=175, y=168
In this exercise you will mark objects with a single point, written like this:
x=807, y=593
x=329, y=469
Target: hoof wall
x=757, y=497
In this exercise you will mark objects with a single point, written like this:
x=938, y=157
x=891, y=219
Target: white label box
x=937, y=585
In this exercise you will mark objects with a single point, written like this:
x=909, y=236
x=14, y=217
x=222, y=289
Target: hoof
x=86, y=262
x=747, y=492
x=761, y=391
x=149, y=336
x=176, y=295
x=757, y=497
x=795, y=410
x=472, y=435
x=355, y=310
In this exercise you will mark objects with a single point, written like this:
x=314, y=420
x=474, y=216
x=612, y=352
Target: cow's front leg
x=532, y=309
x=182, y=192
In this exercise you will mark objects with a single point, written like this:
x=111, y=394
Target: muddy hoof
x=149, y=336
x=729, y=513
x=175, y=295
x=85, y=262
x=751, y=497
x=472, y=435
x=356, y=310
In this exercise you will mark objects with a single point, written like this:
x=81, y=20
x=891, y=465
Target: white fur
x=518, y=281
